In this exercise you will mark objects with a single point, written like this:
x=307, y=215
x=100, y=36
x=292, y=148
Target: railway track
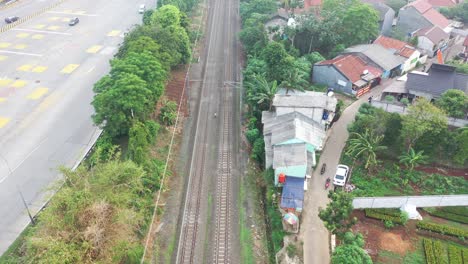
x=215, y=139
x=223, y=188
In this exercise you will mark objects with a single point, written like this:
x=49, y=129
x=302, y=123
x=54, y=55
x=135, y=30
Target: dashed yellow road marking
x=80, y=12
x=40, y=26
x=113, y=33
x=37, y=36
x=19, y=83
x=20, y=46
x=4, y=45
x=38, y=93
x=2, y=58
x=65, y=19
x=94, y=49
x=39, y=69
x=67, y=11
x=5, y=82
x=22, y=35
x=53, y=27
x=69, y=68
x=2, y=99
x=25, y=67
x=54, y=18
x=4, y=121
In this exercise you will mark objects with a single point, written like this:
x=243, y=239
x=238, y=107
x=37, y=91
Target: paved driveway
x=313, y=232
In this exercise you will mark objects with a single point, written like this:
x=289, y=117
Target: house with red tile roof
x=443, y=3
x=402, y=49
x=420, y=14
x=346, y=73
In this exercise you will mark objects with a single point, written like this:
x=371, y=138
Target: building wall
x=328, y=75
x=426, y=46
x=386, y=26
x=410, y=20
x=411, y=62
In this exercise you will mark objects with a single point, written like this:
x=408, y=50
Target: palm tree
x=412, y=158
x=296, y=80
x=263, y=91
x=365, y=146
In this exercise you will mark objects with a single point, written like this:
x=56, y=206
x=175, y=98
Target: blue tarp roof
x=293, y=193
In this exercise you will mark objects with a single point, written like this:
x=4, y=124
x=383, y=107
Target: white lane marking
x=68, y=13
x=27, y=156
x=21, y=53
x=90, y=70
x=42, y=31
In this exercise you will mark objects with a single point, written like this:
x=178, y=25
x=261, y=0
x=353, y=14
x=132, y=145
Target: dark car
x=11, y=19
x=73, y=21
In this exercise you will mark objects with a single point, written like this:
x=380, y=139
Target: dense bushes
x=457, y=214
x=273, y=215
x=443, y=229
x=386, y=215
x=438, y=252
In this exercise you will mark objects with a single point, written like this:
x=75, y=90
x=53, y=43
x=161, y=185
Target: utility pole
x=26, y=206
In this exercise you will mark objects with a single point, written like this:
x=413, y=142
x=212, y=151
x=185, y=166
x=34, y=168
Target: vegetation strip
x=443, y=229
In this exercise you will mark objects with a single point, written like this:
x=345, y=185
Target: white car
x=142, y=9
x=341, y=175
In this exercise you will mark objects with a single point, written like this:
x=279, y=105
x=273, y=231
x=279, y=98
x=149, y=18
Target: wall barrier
x=418, y=201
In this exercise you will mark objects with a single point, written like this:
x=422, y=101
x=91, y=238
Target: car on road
x=73, y=21
x=341, y=175
x=142, y=9
x=12, y=19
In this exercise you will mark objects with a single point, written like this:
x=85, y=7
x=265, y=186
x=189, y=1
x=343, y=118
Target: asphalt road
x=313, y=232
x=47, y=71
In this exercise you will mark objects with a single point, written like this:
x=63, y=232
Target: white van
x=142, y=9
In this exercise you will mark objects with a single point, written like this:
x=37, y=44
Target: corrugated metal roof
x=289, y=155
x=439, y=79
x=384, y=58
x=305, y=99
x=293, y=193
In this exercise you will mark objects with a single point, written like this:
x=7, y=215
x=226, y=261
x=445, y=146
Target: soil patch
x=394, y=243
x=398, y=240
x=444, y=171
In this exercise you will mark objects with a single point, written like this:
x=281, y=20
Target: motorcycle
x=327, y=183
x=322, y=170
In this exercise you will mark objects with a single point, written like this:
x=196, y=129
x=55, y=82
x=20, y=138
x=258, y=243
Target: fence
x=401, y=109
x=418, y=201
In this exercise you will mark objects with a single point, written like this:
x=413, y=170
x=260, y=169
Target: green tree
x=140, y=136
x=254, y=38
x=145, y=66
x=295, y=79
x=337, y=215
x=124, y=98
x=263, y=91
x=314, y=57
x=422, y=117
x=147, y=16
x=360, y=24
x=165, y=16
x=278, y=62
x=168, y=113
x=460, y=66
x=457, y=12
x=365, y=146
x=247, y=8
x=258, y=150
x=461, y=155
x=454, y=102
x=412, y=158
x=351, y=250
